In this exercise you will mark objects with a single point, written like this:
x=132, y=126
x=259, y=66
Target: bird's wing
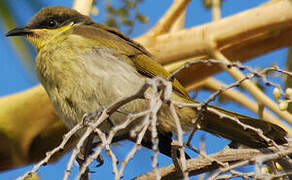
x=139, y=56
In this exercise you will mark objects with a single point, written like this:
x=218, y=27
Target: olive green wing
x=139, y=57
x=150, y=68
x=109, y=37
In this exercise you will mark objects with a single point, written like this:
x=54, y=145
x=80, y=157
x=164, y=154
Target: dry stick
x=175, y=146
x=197, y=119
x=228, y=168
x=164, y=24
x=254, y=90
x=104, y=115
x=254, y=73
x=87, y=133
x=114, y=159
x=176, y=162
x=258, y=131
x=285, y=164
x=180, y=141
x=279, y=176
x=136, y=147
x=272, y=167
x=154, y=109
x=167, y=97
x=262, y=74
x=106, y=142
x=154, y=104
x=259, y=160
x=49, y=154
x=212, y=97
x=130, y=119
x=245, y=126
x=214, y=85
x=203, y=150
x=201, y=164
x=206, y=156
x=244, y=175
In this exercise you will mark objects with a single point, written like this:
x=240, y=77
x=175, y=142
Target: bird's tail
x=248, y=131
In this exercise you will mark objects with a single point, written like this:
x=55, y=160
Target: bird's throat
x=41, y=37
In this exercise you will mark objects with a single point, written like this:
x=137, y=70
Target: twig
x=49, y=154
x=150, y=118
x=168, y=18
x=215, y=85
x=253, y=73
x=180, y=142
x=254, y=90
x=200, y=164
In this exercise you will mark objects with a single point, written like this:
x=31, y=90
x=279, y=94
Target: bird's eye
x=52, y=23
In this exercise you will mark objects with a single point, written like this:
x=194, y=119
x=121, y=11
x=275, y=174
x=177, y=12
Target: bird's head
x=48, y=23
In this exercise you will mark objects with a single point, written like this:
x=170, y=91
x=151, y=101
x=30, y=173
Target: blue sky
x=14, y=77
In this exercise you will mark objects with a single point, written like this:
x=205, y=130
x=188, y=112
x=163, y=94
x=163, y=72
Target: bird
x=84, y=66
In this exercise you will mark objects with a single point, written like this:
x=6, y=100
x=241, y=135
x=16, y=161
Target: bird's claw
x=100, y=161
x=92, y=116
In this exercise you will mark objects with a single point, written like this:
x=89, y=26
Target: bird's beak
x=19, y=31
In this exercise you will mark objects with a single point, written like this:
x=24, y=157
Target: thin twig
x=49, y=154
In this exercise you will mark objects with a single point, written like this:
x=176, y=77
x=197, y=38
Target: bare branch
x=254, y=90
x=234, y=95
x=201, y=164
x=168, y=18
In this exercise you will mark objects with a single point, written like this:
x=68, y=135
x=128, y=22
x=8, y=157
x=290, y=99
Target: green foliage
x=127, y=14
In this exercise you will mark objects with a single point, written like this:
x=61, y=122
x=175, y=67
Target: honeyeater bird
x=84, y=65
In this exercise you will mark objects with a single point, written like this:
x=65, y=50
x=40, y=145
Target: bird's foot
x=85, y=151
x=100, y=161
x=80, y=158
x=93, y=116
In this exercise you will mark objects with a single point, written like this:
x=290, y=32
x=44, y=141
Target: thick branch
x=83, y=6
x=200, y=164
x=23, y=117
x=239, y=37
